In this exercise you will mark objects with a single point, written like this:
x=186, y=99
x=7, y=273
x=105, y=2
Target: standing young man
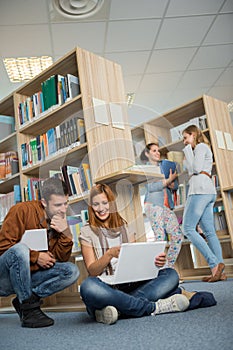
x=30, y=274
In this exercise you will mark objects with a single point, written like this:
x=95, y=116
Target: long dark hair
x=143, y=156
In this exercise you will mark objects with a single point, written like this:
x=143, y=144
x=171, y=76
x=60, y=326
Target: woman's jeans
x=134, y=299
x=16, y=278
x=199, y=209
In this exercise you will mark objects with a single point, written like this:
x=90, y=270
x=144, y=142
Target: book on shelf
x=203, y=122
x=219, y=218
x=2, y=165
x=78, y=179
x=81, y=130
x=70, y=171
x=56, y=173
x=6, y=202
x=87, y=174
x=17, y=194
x=52, y=143
x=77, y=182
x=73, y=87
x=9, y=164
x=32, y=190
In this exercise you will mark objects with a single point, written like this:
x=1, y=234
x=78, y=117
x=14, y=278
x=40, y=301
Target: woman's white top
x=197, y=160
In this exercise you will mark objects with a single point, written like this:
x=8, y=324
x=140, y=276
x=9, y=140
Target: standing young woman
x=100, y=243
x=163, y=220
x=200, y=201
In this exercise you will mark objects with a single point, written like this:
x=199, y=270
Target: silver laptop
x=136, y=262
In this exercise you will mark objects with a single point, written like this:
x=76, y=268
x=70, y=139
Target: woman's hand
x=114, y=252
x=160, y=260
x=172, y=177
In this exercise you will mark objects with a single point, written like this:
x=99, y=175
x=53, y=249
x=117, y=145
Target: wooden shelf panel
x=133, y=176
x=9, y=143
x=7, y=106
x=8, y=184
x=228, y=189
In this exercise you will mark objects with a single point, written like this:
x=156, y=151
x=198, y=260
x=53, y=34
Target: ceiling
x=171, y=51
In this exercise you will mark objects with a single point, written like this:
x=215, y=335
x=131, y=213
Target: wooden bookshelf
x=217, y=118
x=108, y=147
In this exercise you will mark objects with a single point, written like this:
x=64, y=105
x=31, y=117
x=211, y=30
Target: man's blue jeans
x=199, y=209
x=16, y=278
x=140, y=301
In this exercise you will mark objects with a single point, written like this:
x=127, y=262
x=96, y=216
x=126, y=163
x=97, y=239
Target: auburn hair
x=115, y=220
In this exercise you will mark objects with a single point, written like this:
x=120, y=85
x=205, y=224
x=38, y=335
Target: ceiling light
x=77, y=8
x=230, y=106
x=130, y=98
x=25, y=68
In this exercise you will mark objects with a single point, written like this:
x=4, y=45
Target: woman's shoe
x=217, y=276
x=222, y=278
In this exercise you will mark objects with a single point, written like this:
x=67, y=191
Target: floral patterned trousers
x=165, y=227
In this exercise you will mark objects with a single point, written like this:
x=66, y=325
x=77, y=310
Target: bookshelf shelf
x=133, y=176
x=8, y=142
x=7, y=184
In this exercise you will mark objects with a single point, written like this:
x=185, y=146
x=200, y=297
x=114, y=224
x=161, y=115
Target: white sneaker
x=175, y=303
x=107, y=315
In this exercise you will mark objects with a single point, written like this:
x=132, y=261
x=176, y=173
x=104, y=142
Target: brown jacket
x=26, y=216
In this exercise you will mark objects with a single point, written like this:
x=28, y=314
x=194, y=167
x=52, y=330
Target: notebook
x=136, y=262
x=36, y=239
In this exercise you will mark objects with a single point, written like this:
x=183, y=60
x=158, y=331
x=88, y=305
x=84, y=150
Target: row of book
x=77, y=179
x=181, y=194
x=67, y=134
x=219, y=218
x=7, y=200
x=176, y=132
x=9, y=164
x=55, y=91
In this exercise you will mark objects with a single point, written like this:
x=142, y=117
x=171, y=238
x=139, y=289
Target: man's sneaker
x=16, y=304
x=107, y=315
x=32, y=315
x=175, y=303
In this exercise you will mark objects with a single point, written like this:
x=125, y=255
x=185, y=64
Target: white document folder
x=36, y=239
